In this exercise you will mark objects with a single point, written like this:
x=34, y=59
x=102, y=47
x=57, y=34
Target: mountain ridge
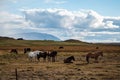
x=35, y=36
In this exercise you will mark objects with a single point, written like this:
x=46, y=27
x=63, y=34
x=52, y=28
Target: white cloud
x=85, y=25
x=109, y=24
x=10, y=23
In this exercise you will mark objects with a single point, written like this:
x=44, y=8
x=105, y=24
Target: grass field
x=54, y=45
x=108, y=67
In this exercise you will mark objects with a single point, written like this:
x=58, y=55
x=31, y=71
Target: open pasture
x=108, y=67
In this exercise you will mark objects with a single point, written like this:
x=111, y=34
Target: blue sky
x=87, y=20
x=106, y=7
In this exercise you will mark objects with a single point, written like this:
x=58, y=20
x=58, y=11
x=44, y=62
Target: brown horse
x=14, y=51
x=52, y=55
x=69, y=59
x=27, y=50
x=95, y=55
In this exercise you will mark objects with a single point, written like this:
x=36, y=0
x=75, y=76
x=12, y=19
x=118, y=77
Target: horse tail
x=87, y=59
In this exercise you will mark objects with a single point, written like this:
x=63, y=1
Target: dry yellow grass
x=108, y=67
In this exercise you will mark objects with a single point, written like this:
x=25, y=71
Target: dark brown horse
x=94, y=55
x=52, y=55
x=27, y=50
x=14, y=51
x=69, y=59
x=42, y=54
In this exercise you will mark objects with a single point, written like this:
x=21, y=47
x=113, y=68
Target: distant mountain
x=36, y=36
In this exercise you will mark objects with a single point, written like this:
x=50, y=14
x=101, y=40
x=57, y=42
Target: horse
x=14, y=51
x=33, y=55
x=61, y=47
x=94, y=55
x=37, y=55
x=42, y=54
x=26, y=50
x=52, y=55
x=69, y=59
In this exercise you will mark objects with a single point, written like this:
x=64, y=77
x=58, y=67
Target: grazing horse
x=14, y=51
x=69, y=59
x=61, y=47
x=26, y=50
x=42, y=54
x=37, y=55
x=95, y=55
x=52, y=55
x=32, y=55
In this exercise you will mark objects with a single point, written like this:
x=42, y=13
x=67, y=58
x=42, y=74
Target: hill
x=30, y=43
x=74, y=40
x=6, y=38
x=35, y=36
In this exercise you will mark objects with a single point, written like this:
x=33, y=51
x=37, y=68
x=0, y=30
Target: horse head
x=72, y=57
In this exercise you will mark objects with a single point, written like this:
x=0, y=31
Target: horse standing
x=26, y=50
x=95, y=55
x=52, y=55
x=69, y=59
x=42, y=54
x=14, y=51
x=37, y=55
x=33, y=55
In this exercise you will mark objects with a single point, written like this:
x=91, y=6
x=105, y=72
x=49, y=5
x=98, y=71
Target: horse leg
x=87, y=59
x=38, y=58
x=48, y=58
x=53, y=59
x=44, y=59
x=96, y=59
x=30, y=59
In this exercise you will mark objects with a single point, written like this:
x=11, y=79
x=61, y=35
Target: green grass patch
x=37, y=43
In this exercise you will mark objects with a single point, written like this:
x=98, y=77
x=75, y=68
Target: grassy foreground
x=108, y=67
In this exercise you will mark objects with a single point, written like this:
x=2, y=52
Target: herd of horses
x=42, y=54
x=51, y=55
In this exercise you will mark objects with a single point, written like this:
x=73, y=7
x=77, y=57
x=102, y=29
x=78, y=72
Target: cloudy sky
x=86, y=20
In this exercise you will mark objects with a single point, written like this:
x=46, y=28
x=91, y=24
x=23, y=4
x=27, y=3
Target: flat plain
x=108, y=67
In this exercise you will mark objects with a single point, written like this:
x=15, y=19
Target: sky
x=85, y=20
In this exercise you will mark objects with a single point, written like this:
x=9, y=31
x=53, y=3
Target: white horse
x=33, y=55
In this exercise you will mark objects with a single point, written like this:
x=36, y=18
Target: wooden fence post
x=16, y=74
